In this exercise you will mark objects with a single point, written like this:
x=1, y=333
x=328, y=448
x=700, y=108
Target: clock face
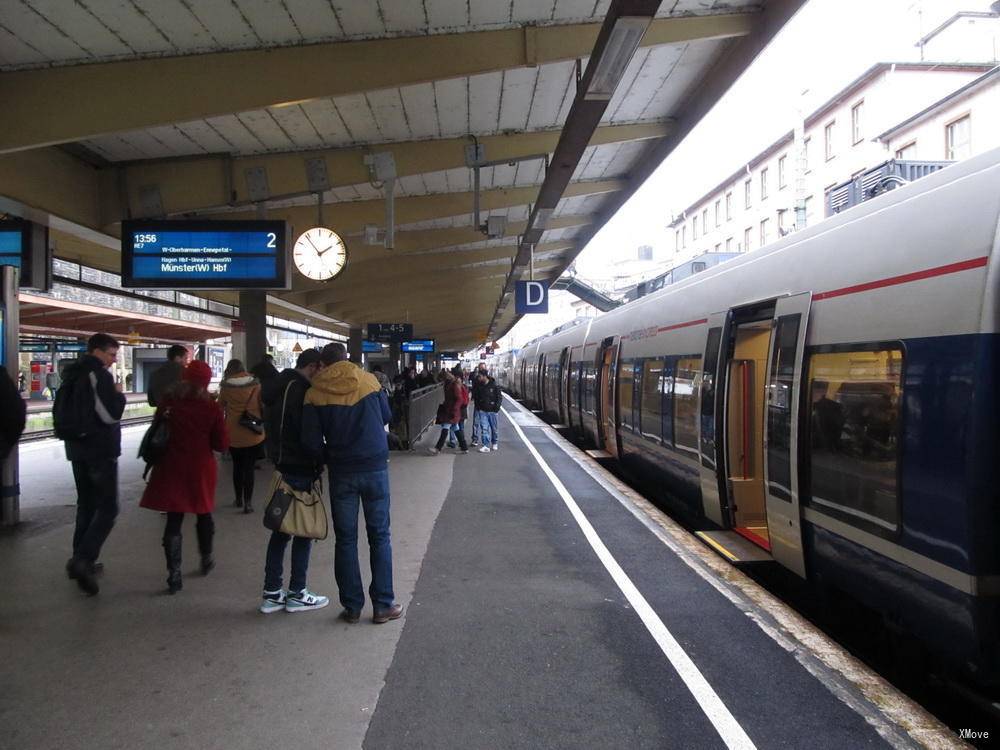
x=319, y=253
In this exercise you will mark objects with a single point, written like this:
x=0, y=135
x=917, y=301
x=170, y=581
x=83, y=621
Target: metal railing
x=417, y=413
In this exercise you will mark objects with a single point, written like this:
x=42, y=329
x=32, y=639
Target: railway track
x=31, y=437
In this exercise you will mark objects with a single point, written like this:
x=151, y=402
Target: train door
x=540, y=383
x=607, y=417
x=781, y=433
x=713, y=496
x=562, y=386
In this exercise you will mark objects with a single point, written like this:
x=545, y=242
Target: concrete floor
x=135, y=668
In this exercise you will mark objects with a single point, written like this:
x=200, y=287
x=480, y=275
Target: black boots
x=206, y=531
x=248, y=503
x=172, y=550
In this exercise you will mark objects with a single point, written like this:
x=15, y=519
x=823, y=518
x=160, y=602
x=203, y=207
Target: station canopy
x=241, y=109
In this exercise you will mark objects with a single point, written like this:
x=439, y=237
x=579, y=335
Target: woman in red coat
x=450, y=414
x=183, y=480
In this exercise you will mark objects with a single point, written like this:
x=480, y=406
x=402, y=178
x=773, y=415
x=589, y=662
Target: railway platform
x=547, y=606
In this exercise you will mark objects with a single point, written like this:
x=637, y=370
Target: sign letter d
x=535, y=293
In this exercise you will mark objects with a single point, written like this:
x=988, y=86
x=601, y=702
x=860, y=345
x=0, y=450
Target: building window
x=718, y=247
x=763, y=232
x=729, y=206
x=718, y=213
x=805, y=153
x=782, y=174
x=809, y=211
x=853, y=440
x=958, y=136
x=857, y=134
x=746, y=239
x=645, y=252
x=729, y=244
x=828, y=140
x=704, y=221
x=909, y=151
x=781, y=222
x=684, y=236
x=694, y=228
x=746, y=194
x=763, y=183
x=677, y=240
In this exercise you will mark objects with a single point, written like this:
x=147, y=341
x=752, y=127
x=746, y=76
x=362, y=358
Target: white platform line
x=725, y=724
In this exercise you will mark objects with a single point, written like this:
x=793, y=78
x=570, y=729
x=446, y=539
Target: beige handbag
x=301, y=512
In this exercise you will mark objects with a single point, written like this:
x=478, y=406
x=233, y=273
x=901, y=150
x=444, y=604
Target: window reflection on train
x=854, y=435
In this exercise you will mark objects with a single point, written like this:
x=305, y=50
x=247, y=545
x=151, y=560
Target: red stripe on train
x=906, y=278
x=682, y=325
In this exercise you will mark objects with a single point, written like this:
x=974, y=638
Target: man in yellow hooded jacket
x=343, y=423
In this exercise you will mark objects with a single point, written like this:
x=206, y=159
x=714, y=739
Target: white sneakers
x=485, y=449
x=302, y=601
x=496, y=447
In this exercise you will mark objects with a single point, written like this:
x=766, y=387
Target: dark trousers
x=204, y=526
x=459, y=435
x=96, y=505
x=273, y=565
x=368, y=491
x=243, y=467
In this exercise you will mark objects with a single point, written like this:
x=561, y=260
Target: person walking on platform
x=86, y=414
x=265, y=370
x=488, y=399
x=240, y=397
x=183, y=480
x=382, y=378
x=284, y=397
x=167, y=375
x=344, y=423
x=450, y=414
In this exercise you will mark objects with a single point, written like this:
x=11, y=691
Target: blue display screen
x=204, y=255
x=418, y=345
x=371, y=347
x=11, y=242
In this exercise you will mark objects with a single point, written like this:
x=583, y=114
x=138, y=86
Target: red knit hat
x=198, y=373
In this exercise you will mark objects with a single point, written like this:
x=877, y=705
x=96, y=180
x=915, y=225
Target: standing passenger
x=240, y=395
x=13, y=412
x=183, y=480
x=344, y=422
x=166, y=375
x=488, y=399
x=450, y=414
x=87, y=416
x=284, y=399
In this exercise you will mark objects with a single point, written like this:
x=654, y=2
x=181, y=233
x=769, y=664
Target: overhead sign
x=389, y=333
x=449, y=355
x=418, y=345
x=531, y=297
x=371, y=347
x=25, y=245
x=204, y=254
x=71, y=346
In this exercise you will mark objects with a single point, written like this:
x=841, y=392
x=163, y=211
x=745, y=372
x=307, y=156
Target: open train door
x=781, y=434
x=711, y=391
x=607, y=417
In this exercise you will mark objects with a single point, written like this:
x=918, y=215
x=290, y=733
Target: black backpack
x=74, y=414
x=154, y=443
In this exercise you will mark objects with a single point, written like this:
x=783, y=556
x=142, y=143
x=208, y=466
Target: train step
x=735, y=548
x=599, y=454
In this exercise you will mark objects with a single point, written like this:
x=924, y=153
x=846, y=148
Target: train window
x=685, y=403
x=652, y=403
x=625, y=379
x=667, y=389
x=854, y=435
x=779, y=407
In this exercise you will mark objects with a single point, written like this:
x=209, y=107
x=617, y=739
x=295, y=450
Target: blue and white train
x=830, y=399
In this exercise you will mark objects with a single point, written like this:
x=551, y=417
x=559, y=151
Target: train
x=829, y=402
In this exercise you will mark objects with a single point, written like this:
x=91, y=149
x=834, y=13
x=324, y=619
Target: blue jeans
x=273, y=570
x=486, y=421
x=371, y=491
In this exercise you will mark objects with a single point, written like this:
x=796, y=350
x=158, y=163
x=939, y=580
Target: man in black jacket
x=167, y=375
x=488, y=398
x=283, y=396
x=94, y=454
x=12, y=415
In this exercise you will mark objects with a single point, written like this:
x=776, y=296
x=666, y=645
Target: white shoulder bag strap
x=281, y=426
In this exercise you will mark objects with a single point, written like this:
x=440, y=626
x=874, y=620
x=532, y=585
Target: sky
x=825, y=46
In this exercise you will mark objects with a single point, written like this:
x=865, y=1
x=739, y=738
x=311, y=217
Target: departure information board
x=389, y=333
x=418, y=345
x=11, y=242
x=204, y=255
x=25, y=245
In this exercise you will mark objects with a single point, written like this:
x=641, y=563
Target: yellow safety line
x=716, y=546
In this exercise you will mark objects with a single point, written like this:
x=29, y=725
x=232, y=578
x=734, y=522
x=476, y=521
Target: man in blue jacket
x=343, y=421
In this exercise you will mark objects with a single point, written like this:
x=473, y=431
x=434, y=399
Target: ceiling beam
x=205, y=184
x=351, y=217
x=70, y=103
x=358, y=285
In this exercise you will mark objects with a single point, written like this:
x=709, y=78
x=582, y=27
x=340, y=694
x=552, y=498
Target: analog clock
x=319, y=253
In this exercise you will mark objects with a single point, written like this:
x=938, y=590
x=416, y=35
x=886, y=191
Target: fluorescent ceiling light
x=622, y=44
